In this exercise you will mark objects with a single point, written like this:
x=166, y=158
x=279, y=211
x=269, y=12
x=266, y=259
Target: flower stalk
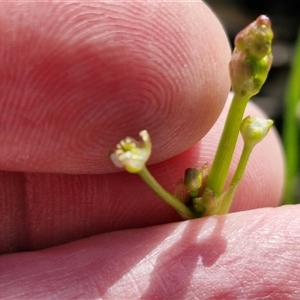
x=167, y=197
x=219, y=169
x=132, y=155
x=249, y=67
x=253, y=130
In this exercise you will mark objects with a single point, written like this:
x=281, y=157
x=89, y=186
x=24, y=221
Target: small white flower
x=132, y=155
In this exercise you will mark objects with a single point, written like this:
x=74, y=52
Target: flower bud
x=254, y=129
x=251, y=59
x=131, y=154
x=256, y=38
x=192, y=179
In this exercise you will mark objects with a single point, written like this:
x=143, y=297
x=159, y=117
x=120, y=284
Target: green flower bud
x=251, y=59
x=198, y=206
x=192, y=179
x=254, y=129
x=131, y=154
x=256, y=38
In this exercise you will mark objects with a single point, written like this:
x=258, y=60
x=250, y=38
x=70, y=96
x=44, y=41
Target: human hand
x=75, y=79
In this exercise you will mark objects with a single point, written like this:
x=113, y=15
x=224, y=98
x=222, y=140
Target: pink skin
x=75, y=79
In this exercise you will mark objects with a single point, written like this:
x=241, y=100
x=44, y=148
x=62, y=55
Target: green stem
x=291, y=131
x=180, y=207
x=220, y=166
x=228, y=196
x=239, y=172
x=225, y=203
x=194, y=194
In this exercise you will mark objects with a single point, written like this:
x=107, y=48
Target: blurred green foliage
x=291, y=130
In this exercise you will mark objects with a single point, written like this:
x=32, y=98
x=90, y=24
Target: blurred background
x=285, y=17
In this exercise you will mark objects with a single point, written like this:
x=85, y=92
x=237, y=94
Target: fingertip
x=95, y=73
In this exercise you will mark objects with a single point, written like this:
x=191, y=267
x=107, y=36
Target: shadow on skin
x=174, y=268
x=253, y=255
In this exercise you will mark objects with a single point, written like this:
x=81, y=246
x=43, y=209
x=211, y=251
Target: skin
x=77, y=78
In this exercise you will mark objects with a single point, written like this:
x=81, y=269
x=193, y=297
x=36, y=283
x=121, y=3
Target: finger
x=252, y=255
x=78, y=77
x=42, y=210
